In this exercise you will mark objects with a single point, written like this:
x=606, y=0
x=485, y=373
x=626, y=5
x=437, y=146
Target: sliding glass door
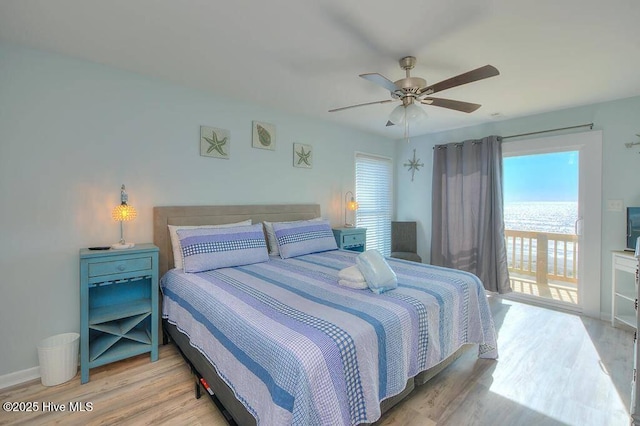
x=553, y=219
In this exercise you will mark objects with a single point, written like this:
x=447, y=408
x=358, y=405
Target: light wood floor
x=554, y=369
x=560, y=291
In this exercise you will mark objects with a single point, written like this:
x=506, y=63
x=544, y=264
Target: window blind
x=374, y=196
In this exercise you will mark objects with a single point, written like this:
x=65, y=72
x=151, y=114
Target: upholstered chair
x=403, y=241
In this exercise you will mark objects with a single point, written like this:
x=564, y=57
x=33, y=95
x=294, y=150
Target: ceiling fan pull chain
x=406, y=127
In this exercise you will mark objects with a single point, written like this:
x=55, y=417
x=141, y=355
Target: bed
x=280, y=342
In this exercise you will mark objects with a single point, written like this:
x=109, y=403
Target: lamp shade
x=397, y=115
x=411, y=113
x=414, y=113
x=124, y=213
x=350, y=206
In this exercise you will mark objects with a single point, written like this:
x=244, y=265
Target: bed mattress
x=297, y=348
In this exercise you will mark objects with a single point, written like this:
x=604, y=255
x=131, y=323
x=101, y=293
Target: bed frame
x=217, y=215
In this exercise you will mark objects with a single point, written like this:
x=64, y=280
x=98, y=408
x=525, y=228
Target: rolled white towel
x=352, y=273
x=358, y=285
x=379, y=275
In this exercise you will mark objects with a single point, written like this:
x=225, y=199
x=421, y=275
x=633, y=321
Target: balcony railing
x=545, y=255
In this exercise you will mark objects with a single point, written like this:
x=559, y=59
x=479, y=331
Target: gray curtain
x=467, y=228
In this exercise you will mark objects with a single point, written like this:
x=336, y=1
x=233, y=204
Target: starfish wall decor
x=214, y=142
x=413, y=165
x=302, y=155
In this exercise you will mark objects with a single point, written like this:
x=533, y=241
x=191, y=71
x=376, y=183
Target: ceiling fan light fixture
x=397, y=116
x=415, y=113
x=410, y=113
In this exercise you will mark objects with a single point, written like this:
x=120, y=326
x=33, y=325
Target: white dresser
x=624, y=288
x=624, y=309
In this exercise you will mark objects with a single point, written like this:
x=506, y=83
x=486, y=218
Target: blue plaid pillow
x=304, y=237
x=210, y=248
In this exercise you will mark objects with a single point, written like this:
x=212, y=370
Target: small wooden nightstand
x=118, y=305
x=354, y=239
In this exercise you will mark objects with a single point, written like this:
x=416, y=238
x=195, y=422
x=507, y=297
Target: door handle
x=575, y=226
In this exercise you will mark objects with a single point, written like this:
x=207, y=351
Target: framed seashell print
x=302, y=155
x=264, y=135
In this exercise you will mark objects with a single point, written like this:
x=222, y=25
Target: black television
x=633, y=227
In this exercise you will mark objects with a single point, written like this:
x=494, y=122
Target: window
x=374, y=197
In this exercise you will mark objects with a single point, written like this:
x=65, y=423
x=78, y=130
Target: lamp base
x=349, y=225
x=122, y=246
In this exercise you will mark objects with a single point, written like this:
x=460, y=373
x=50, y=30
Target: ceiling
x=304, y=56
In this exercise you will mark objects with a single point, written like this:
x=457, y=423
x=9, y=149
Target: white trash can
x=58, y=357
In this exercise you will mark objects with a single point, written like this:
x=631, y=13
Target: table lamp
x=123, y=213
x=350, y=205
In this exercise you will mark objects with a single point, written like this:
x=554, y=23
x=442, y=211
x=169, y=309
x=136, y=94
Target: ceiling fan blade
x=380, y=80
x=468, y=77
x=451, y=104
x=359, y=105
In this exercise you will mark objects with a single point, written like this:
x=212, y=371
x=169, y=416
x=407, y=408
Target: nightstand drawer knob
x=121, y=268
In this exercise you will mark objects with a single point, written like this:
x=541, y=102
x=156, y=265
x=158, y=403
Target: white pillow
x=272, y=242
x=175, y=240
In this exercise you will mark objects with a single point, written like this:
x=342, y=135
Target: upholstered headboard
x=216, y=215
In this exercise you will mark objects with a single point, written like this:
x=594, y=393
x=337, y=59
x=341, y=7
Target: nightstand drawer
x=113, y=267
x=353, y=239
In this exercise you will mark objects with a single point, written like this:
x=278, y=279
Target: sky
x=541, y=177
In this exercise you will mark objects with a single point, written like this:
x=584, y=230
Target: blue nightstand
x=354, y=239
x=118, y=305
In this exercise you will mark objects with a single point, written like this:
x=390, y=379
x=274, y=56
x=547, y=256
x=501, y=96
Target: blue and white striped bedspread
x=297, y=348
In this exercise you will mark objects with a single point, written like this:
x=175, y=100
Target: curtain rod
x=590, y=125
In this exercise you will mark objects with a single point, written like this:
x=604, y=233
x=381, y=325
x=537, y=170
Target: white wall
x=71, y=132
x=619, y=123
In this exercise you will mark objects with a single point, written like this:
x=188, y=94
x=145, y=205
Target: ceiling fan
x=412, y=90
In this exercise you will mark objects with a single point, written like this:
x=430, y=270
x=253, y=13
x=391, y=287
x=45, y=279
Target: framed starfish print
x=302, y=155
x=215, y=142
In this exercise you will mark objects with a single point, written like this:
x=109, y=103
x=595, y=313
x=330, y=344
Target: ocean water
x=542, y=216
x=545, y=216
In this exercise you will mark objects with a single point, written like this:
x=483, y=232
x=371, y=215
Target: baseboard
x=19, y=377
